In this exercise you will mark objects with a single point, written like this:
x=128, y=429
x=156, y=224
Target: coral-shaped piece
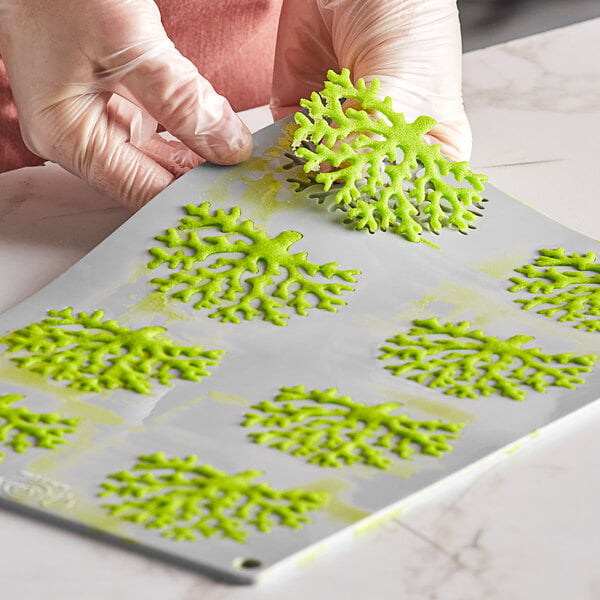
x=96, y=355
x=568, y=283
x=389, y=177
x=243, y=271
x=20, y=428
x=465, y=362
x=184, y=500
x=331, y=430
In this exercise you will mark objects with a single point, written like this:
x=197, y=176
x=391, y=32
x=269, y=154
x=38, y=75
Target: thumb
x=169, y=87
x=93, y=142
x=452, y=130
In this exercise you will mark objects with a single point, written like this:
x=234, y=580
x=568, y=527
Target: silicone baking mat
x=457, y=278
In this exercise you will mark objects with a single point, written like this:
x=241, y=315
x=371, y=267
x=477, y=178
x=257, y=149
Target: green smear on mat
x=224, y=398
x=374, y=524
x=153, y=303
x=263, y=194
x=439, y=410
x=501, y=266
x=336, y=508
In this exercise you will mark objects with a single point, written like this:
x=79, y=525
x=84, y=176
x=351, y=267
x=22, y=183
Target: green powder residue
x=513, y=448
x=260, y=175
x=59, y=464
x=381, y=171
x=336, y=508
x=224, y=398
x=11, y=372
x=467, y=363
x=21, y=429
x=184, y=500
x=308, y=557
x=331, y=430
x=242, y=271
x=569, y=284
x=69, y=399
x=137, y=270
x=499, y=266
x=430, y=243
x=284, y=142
x=95, y=355
x=440, y=410
x=375, y=524
x=152, y=304
x=263, y=194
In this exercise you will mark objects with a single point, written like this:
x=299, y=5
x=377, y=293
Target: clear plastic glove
x=412, y=46
x=92, y=79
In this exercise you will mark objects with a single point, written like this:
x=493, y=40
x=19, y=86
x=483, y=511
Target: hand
x=92, y=79
x=412, y=46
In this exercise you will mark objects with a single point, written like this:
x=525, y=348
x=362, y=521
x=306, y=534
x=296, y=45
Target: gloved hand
x=92, y=79
x=412, y=46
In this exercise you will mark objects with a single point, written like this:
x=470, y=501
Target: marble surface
x=524, y=528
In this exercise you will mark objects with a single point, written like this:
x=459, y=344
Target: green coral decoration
x=21, y=429
x=184, y=500
x=569, y=284
x=96, y=355
x=265, y=279
x=331, y=430
x=467, y=363
x=384, y=174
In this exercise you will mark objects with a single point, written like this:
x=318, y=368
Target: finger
x=303, y=55
x=279, y=112
x=170, y=89
x=454, y=138
x=123, y=172
x=452, y=130
x=89, y=138
x=172, y=155
x=140, y=124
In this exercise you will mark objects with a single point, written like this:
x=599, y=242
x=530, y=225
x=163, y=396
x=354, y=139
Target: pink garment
x=231, y=42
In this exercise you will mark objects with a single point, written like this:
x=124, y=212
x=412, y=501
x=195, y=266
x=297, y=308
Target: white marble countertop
x=526, y=528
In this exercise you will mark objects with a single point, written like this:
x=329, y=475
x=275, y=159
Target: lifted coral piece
x=96, y=355
x=467, y=363
x=184, y=500
x=384, y=174
x=331, y=430
x=21, y=429
x=265, y=279
x=568, y=283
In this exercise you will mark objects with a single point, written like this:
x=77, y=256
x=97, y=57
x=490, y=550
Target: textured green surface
x=385, y=175
x=331, y=430
x=465, y=362
x=186, y=500
x=242, y=271
x=95, y=355
x=568, y=283
x=20, y=428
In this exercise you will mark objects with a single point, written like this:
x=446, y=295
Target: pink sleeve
x=13, y=152
x=232, y=42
